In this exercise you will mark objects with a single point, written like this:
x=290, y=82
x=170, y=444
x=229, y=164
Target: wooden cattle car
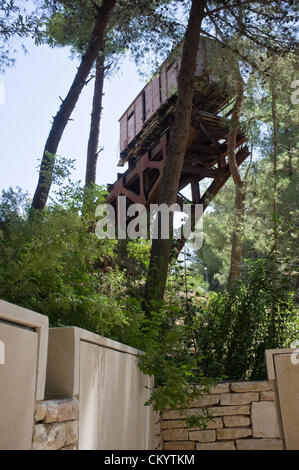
x=161, y=91
x=145, y=131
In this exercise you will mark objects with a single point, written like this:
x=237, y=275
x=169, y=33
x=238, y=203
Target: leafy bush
x=234, y=328
x=49, y=263
x=168, y=346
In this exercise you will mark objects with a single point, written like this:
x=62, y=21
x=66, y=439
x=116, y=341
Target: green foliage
x=169, y=356
x=18, y=21
x=258, y=228
x=53, y=264
x=201, y=337
x=139, y=251
x=49, y=264
x=140, y=30
x=234, y=328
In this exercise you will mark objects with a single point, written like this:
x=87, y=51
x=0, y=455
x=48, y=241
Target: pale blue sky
x=32, y=90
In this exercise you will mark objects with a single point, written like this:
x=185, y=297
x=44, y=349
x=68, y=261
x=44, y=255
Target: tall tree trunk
x=274, y=119
x=240, y=185
x=93, y=141
x=62, y=117
x=158, y=268
x=275, y=320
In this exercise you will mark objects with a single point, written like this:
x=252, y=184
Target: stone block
x=229, y=410
x=223, y=445
x=255, y=386
x=214, y=423
x=264, y=420
x=259, y=444
x=175, y=434
x=205, y=400
x=267, y=396
x=41, y=412
x=183, y=445
x=233, y=433
x=174, y=414
x=39, y=437
x=238, y=398
x=56, y=435
x=61, y=410
x=70, y=447
x=220, y=388
x=236, y=421
x=72, y=432
x=196, y=412
x=217, y=389
x=49, y=436
x=203, y=436
x=157, y=427
x=173, y=424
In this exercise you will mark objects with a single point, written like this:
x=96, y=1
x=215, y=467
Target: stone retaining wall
x=56, y=425
x=244, y=418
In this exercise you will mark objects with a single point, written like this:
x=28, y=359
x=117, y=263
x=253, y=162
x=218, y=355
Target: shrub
x=49, y=263
x=234, y=328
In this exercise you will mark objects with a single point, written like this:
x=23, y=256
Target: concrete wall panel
x=110, y=387
x=17, y=387
x=89, y=396
x=24, y=338
x=283, y=369
x=287, y=376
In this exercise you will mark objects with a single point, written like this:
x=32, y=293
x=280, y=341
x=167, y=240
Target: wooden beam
x=217, y=184
x=202, y=149
x=195, y=192
x=221, y=160
x=199, y=171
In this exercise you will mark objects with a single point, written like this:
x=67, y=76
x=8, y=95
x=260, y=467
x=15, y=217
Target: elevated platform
x=145, y=128
x=205, y=157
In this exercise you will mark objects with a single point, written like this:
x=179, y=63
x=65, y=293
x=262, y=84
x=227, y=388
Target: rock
x=49, y=436
x=264, y=420
x=182, y=414
x=70, y=447
x=40, y=437
x=173, y=423
x=175, y=435
x=157, y=438
x=236, y=421
x=61, y=410
x=229, y=410
x=258, y=386
x=219, y=388
x=183, y=445
x=238, y=398
x=203, y=436
x=223, y=445
x=213, y=423
x=206, y=400
x=174, y=414
x=259, y=444
x=72, y=432
x=267, y=396
x=233, y=433
x=196, y=412
x=41, y=412
x=56, y=435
